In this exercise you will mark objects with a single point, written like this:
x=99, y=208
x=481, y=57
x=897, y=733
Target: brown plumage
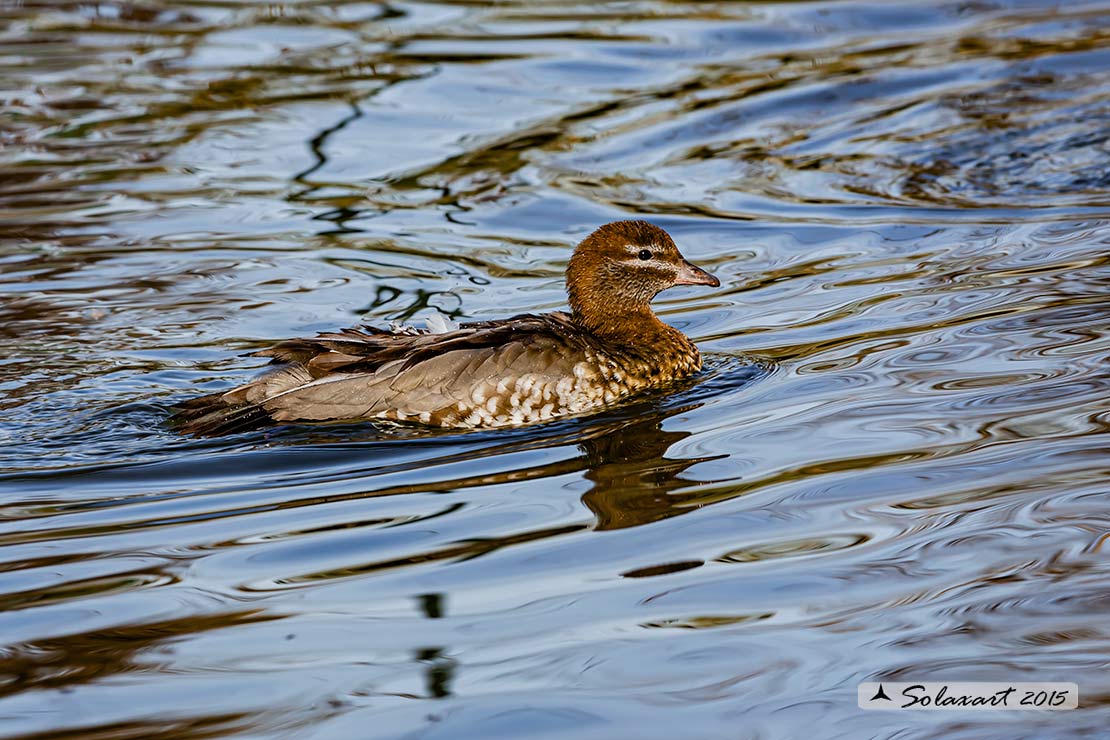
x=489, y=373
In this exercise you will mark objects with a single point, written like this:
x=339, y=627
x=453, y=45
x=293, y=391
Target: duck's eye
x=645, y=254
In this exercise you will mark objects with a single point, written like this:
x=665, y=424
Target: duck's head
x=616, y=271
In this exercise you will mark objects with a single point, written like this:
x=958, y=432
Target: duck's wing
x=365, y=372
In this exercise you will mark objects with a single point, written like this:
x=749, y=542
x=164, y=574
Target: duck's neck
x=634, y=326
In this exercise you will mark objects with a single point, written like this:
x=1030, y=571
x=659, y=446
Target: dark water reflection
x=894, y=467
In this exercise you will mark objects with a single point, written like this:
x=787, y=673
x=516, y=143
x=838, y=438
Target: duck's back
x=525, y=369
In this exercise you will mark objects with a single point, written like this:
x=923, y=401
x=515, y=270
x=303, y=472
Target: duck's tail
x=241, y=409
x=213, y=415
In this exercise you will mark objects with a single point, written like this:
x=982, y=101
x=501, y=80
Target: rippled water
x=894, y=467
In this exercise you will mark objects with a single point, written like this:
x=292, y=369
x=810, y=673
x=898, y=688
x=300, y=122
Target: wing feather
x=366, y=372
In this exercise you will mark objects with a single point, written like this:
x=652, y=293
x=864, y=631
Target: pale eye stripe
x=634, y=249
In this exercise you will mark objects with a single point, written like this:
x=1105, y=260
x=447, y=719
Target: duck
x=485, y=374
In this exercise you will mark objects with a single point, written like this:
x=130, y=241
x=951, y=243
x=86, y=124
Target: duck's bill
x=693, y=275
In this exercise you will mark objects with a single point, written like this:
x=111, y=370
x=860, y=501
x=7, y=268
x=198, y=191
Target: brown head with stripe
x=617, y=270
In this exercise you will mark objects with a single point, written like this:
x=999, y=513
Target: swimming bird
x=520, y=370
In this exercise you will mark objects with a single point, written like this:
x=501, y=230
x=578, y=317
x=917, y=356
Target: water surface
x=894, y=467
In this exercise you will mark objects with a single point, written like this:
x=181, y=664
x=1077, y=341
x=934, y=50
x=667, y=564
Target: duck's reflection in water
x=634, y=481
x=625, y=453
